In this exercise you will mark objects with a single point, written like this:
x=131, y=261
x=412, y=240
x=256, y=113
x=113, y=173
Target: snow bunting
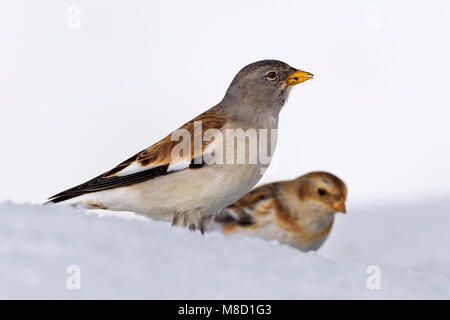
x=183, y=178
x=297, y=212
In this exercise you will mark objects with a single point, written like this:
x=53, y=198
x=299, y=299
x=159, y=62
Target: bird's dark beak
x=297, y=77
x=339, y=206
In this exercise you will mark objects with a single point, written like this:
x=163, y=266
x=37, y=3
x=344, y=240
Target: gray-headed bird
x=196, y=170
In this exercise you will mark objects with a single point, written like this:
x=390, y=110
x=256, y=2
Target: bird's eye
x=272, y=75
x=321, y=191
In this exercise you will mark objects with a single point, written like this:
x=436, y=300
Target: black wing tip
x=227, y=218
x=49, y=202
x=222, y=217
x=106, y=182
x=73, y=192
x=63, y=197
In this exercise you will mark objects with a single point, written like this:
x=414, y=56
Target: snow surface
x=139, y=258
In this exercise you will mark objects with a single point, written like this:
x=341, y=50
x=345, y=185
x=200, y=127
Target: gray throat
x=259, y=113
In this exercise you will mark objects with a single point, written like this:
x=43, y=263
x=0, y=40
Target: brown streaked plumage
x=160, y=153
x=297, y=212
x=185, y=189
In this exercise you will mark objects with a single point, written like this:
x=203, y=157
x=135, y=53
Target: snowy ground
x=138, y=258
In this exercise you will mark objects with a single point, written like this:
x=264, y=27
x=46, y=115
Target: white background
x=75, y=102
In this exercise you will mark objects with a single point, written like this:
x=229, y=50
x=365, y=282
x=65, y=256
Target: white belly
x=204, y=190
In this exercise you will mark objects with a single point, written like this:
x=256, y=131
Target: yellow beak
x=297, y=77
x=339, y=206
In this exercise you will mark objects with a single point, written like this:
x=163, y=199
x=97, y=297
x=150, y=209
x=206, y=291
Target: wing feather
x=240, y=212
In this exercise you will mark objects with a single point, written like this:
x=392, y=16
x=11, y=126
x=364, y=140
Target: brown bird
x=184, y=178
x=297, y=212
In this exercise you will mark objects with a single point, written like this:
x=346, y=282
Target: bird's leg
x=180, y=219
x=204, y=221
x=185, y=220
x=193, y=221
x=175, y=219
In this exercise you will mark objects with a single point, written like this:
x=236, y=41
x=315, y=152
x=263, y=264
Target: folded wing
x=155, y=161
x=240, y=212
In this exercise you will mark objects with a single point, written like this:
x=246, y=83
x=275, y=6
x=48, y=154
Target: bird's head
x=322, y=192
x=264, y=84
